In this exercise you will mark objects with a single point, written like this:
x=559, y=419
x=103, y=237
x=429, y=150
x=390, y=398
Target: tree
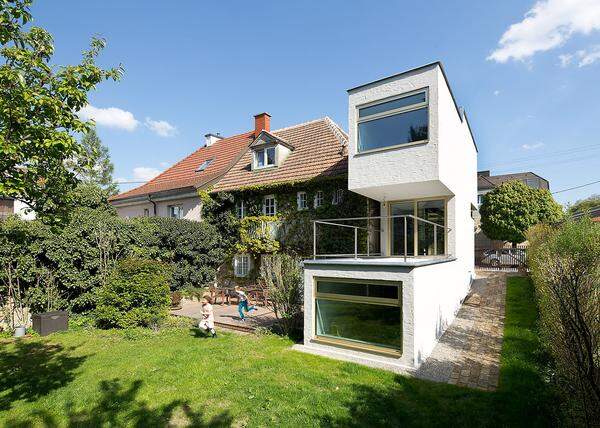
x=39, y=103
x=508, y=211
x=92, y=165
x=584, y=205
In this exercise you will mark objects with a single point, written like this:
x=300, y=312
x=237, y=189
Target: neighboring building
x=10, y=206
x=411, y=149
x=485, y=184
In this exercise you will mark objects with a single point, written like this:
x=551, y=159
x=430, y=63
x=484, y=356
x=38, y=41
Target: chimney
x=212, y=138
x=484, y=173
x=262, y=121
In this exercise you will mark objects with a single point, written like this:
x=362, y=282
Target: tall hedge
x=193, y=248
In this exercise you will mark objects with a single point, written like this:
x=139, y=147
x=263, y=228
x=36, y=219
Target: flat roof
x=381, y=261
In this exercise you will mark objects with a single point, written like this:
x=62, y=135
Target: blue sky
x=527, y=73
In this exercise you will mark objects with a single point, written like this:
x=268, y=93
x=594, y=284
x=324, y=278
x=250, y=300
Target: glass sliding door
x=359, y=313
x=428, y=240
x=431, y=239
x=397, y=233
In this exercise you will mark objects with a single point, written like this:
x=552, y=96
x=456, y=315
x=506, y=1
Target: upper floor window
x=318, y=198
x=146, y=212
x=269, y=205
x=264, y=157
x=479, y=200
x=533, y=182
x=338, y=197
x=240, y=209
x=175, y=211
x=301, y=201
x=393, y=123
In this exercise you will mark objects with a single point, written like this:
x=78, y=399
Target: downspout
x=153, y=205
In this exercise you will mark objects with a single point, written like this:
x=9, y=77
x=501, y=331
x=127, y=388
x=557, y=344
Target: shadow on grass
x=31, y=369
x=118, y=405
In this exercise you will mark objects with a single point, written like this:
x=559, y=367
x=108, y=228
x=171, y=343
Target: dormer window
x=204, y=165
x=264, y=157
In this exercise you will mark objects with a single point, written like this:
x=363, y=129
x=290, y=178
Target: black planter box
x=49, y=322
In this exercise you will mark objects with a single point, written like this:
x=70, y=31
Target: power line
x=545, y=156
x=576, y=187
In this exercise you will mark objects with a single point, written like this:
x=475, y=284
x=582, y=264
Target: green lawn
x=112, y=378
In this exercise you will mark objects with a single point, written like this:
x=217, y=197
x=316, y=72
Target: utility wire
x=576, y=187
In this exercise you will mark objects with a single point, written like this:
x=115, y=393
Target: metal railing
x=370, y=230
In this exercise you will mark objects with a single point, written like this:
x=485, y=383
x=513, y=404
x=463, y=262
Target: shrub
x=565, y=266
x=282, y=277
x=136, y=294
x=193, y=248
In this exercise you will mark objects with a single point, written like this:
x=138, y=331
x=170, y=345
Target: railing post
x=356, y=242
x=405, y=246
x=368, y=239
x=314, y=240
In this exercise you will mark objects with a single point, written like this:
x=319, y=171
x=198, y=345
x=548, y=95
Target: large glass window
x=429, y=239
x=400, y=121
x=359, y=313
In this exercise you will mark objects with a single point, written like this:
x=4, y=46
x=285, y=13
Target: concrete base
x=367, y=359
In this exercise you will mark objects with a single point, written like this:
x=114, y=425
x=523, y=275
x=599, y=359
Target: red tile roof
x=319, y=151
x=183, y=174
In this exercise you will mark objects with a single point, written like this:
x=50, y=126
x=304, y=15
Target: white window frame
x=393, y=112
x=240, y=209
x=172, y=210
x=274, y=205
x=338, y=197
x=263, y=151
x=318, y=198
x=241, y=265
x=301, y=201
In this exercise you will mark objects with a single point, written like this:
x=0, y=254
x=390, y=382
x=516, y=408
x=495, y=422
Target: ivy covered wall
x=295, y=231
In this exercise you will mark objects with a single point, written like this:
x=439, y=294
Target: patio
x=226, y=316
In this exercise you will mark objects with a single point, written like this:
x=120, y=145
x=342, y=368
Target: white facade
x=438, y=164
x=190, y=205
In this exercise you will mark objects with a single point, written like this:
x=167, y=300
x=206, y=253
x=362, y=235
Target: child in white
x=207, y=322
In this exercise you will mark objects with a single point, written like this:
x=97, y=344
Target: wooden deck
x=226, y=316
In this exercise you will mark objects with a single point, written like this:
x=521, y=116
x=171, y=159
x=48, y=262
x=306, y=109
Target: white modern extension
x=406, y=269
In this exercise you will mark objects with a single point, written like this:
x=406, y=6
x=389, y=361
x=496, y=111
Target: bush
x=136, y=294
x=565, y=266
x=282, y=277
x=193, y=248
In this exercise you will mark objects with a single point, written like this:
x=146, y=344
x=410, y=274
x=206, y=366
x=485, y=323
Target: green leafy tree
x=93, y=165
x=585, y=205
x=39, y=103
x=508, y=211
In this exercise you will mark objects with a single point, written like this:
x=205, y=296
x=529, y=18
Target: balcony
x=406, y=238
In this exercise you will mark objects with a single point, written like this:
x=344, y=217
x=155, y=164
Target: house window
x=241, y=265
x=338, y=197
x=240, y=209
x=146, y=212
x=301, y=201
x=533, y=183
x=269, y=205
x=318, y=199
x=264, y=157
x=423, y=238
x=361, y=314
x=175, y=211
x=392, y=123
x=479, y=200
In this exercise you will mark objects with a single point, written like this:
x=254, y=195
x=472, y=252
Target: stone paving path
x=468, y=353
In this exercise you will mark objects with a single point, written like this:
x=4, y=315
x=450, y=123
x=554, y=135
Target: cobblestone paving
x=468, y=353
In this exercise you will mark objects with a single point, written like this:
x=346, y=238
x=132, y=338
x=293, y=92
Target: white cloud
x=496, y=92
x=144, y=173
x=547, y=25
x=589, y=57
x=111, y=117
x=533, y=146
x=565, y=59
x=160, y=127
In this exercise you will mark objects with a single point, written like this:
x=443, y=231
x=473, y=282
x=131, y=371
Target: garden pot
x=20, y=331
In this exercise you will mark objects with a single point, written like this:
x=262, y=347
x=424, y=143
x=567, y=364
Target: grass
x=178, y=377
